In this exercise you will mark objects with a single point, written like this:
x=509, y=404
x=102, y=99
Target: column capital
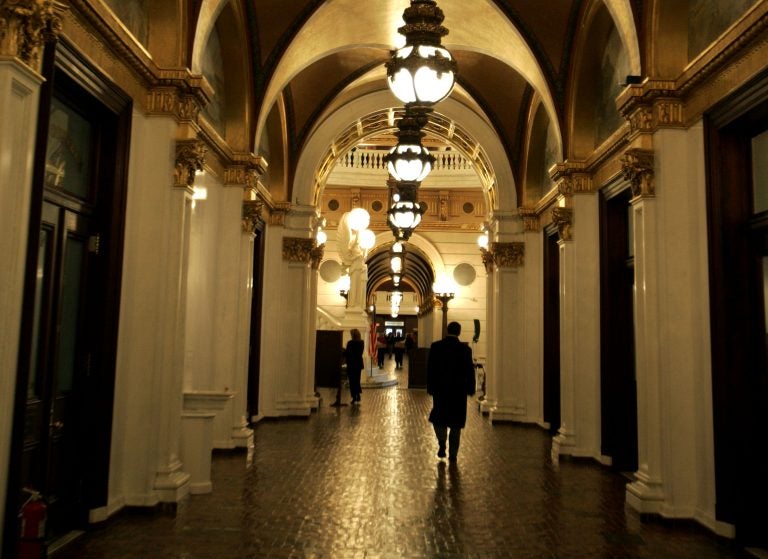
x=252, y=215
x=563, y=219
x=508, y=255
x=637, y=167
x=180, y=94
x=297, y=249
x=190, y=157
x=651, y=105
x=25, y=25
x=572, y=177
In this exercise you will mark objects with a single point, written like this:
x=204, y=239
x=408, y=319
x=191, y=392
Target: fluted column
x=22, y=28
x=533, y=317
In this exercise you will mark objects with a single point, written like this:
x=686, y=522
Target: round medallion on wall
x=468, y=207
x=464, y=274
x=333, y=205
x=376, y=206
x=330, y=271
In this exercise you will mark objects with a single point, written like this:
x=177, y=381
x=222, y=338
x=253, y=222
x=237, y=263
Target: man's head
x=453, y=329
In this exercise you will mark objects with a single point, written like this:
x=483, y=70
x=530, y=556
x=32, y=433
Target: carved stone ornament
x=317, y=256
x=190, y=157
x=637, y=166
x=169, y=102
x=296, y=249
x=565, y=186
x=563, y=218
x=508, y=255
x=487, y=257
x=279, y=213
x=24, y=27
x=252, y=215
x=530, y=219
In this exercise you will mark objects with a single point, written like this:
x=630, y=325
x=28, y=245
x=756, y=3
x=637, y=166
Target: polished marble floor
x=364, y=482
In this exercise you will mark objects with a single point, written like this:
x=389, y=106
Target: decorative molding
x=278, y=213
x=298, y=249
x=190, y=157
x=530, y=219
x=252, y=215
x=637, y=167
x=572, y=177
x=487, y=257
x=508, y=255
x=563, y=219
x=316, y=256
x=25, y=25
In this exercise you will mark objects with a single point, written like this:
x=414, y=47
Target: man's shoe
x=441, y=452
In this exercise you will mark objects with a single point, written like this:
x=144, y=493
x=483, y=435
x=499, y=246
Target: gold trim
x=508, y=255
x=252, y=215
x=190, y=157
x=637, y=167
x=563, y=219
x=24, y=27
x=297, y=249
x=530, y=219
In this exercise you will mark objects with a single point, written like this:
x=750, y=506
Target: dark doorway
x=328, y=357
x=552, y=330
x=68, y=347
x=737, y=194
x=618, y=385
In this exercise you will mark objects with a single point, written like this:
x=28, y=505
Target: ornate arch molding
x=383, y=121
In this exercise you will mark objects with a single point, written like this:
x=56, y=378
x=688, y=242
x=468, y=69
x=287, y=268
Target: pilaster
x=20, y=41
x=576, y=215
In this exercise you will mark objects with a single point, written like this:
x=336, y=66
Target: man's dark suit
x=450, y=379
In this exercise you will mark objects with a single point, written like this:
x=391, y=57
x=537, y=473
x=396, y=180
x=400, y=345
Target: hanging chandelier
x=405, y=213
x=409, y=160
x=422, y=72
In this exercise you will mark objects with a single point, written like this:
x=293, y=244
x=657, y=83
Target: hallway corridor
x=364, y=482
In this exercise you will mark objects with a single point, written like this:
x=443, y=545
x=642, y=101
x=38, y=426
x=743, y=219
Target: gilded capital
x=487, y=257
x=252, y=215
x=190, y=156
x=316, y=256
x=563, y=219
x=298, y=249
x=24, y=27
x=637, y=166
x=508, y=255
x=278, y=213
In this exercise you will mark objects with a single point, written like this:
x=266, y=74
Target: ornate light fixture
x=345, y=283
x=397, y=258
x=422, y=72
x=410, y=161
x=405, y=213
x=444, y=291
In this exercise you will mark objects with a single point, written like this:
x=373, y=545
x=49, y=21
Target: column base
x=563, y=444
x=294, y=405
x=172, y=484
x=242, y=437
x=511, y=411
x=645, y=494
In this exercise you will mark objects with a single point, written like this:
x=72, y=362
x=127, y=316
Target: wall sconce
x=344, y=285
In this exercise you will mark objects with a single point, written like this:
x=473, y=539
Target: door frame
x=739, y=391
x=618, y=391
x=65, y=70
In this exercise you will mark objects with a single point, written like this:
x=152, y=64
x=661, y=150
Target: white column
x=492, y=333
x=508, y=307
x=533, y=318
x=646, y=493
x=19, y=97
x=145, y=466
x=241, y=433
x=579, y=434
x=289, y=321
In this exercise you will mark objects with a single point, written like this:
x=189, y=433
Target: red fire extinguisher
x=32, y=538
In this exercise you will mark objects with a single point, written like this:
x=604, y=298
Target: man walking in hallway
x=450, y=379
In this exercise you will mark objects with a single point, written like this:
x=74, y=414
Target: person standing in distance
x=353, y=355
x=450, y=379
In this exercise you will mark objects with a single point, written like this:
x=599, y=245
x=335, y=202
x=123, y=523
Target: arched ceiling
x=319, y=54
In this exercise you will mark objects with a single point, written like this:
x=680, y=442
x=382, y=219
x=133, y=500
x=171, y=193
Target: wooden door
x=328, y=357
